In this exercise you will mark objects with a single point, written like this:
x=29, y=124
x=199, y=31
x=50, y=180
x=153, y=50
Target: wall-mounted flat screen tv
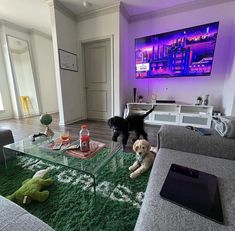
x=182, y=53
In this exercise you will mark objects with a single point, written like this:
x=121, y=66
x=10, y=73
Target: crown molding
x=14, y=26
x=50, y=3
x=124, y=12
x=196, y=4
x=64, y=10
x=23, y=29
x=34, y=31
x=98, y=12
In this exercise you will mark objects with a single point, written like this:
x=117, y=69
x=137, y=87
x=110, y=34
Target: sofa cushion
x=159, y=214
x=183, y=139
x=15, y=218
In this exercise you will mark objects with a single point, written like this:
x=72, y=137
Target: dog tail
x=147, y=113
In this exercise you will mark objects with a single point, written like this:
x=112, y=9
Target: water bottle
x=84, y=139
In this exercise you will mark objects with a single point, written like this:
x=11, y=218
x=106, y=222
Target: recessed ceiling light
x=87, y=4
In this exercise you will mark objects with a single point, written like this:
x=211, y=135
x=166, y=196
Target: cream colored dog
x=144, y=158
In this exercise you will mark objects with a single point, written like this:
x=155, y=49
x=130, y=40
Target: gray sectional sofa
x=15, y=218
x=212, y=154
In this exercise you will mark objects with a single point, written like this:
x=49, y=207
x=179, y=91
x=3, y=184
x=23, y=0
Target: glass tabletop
x=91, y=165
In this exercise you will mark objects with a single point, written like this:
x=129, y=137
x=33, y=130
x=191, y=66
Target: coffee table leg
x=5, y=158
x=94, y=187
x=9, y=154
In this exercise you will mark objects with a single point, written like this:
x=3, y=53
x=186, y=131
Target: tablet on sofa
x=195, y=190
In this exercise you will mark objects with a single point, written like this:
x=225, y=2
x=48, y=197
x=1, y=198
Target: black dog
x=134, y=122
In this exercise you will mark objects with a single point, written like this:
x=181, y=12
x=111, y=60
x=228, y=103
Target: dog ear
x=110, y=122
x=135, y=145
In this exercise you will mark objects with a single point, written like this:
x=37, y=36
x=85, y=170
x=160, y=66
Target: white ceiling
x=133, y=7
x=35, y=13
x=27, y=13
x=76, y=6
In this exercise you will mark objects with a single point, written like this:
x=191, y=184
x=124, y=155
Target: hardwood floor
x=28, y=126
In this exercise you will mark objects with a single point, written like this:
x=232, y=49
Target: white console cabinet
x=176, y=114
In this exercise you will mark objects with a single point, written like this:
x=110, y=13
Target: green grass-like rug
x=70, y=206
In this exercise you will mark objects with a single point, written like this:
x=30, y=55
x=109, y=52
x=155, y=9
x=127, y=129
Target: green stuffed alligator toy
x=31, y=189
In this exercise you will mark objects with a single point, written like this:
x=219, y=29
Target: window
x=1, y=105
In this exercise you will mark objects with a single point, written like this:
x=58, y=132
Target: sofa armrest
x=6, y=137
x=186, y=140
x=15, y=218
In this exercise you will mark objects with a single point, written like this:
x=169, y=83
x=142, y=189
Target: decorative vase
x=206, y=100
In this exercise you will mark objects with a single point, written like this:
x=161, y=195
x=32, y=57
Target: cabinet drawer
x=194, y=120
x=165, y=118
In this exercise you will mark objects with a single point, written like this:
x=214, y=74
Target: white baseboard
x=72, y=121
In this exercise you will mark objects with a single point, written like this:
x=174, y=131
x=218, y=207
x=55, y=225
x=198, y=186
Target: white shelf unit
x=176, y=114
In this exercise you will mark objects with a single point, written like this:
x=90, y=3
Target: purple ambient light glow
x=186, y=52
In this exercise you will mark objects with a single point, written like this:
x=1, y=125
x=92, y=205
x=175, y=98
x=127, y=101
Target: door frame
x=82, y=44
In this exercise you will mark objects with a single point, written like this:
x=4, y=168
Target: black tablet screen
x=195, y=190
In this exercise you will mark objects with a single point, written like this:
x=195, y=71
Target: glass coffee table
x=90, y=166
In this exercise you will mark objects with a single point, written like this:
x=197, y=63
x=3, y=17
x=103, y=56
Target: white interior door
x=97, y=57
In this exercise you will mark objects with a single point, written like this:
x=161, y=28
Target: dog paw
x=133, y=175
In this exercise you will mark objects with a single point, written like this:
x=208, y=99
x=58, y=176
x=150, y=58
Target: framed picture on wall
x=68, y=60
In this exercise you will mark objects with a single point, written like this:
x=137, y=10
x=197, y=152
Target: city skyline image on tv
x=182, y=53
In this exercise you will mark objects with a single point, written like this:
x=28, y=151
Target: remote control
x=203, y=131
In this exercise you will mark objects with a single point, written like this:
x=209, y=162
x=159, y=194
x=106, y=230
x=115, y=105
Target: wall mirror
x=23, y=76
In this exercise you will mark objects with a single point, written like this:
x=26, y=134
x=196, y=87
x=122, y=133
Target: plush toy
x=31, y=189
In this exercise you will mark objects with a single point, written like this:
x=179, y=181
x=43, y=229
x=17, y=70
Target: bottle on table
x=84, y=139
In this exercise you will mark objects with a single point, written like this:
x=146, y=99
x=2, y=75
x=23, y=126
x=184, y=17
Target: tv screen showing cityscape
x=182, y=53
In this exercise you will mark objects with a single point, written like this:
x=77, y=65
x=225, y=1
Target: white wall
x=100, y=27
x=229, y=85
x=69, y=87
x=41, y=51
x=185, y=90
x=44, y=60
x=10, y=83
x=124, y=55
x=4, y=88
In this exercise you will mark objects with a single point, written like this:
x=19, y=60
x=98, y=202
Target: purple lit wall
x=185, y=90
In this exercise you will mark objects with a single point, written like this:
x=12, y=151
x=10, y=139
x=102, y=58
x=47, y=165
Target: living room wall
x=68, y=83
x=42, y=57
x=124, y=53
x=229, y=89
x=4, y=88
x=96, y=28
x=185, y=90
